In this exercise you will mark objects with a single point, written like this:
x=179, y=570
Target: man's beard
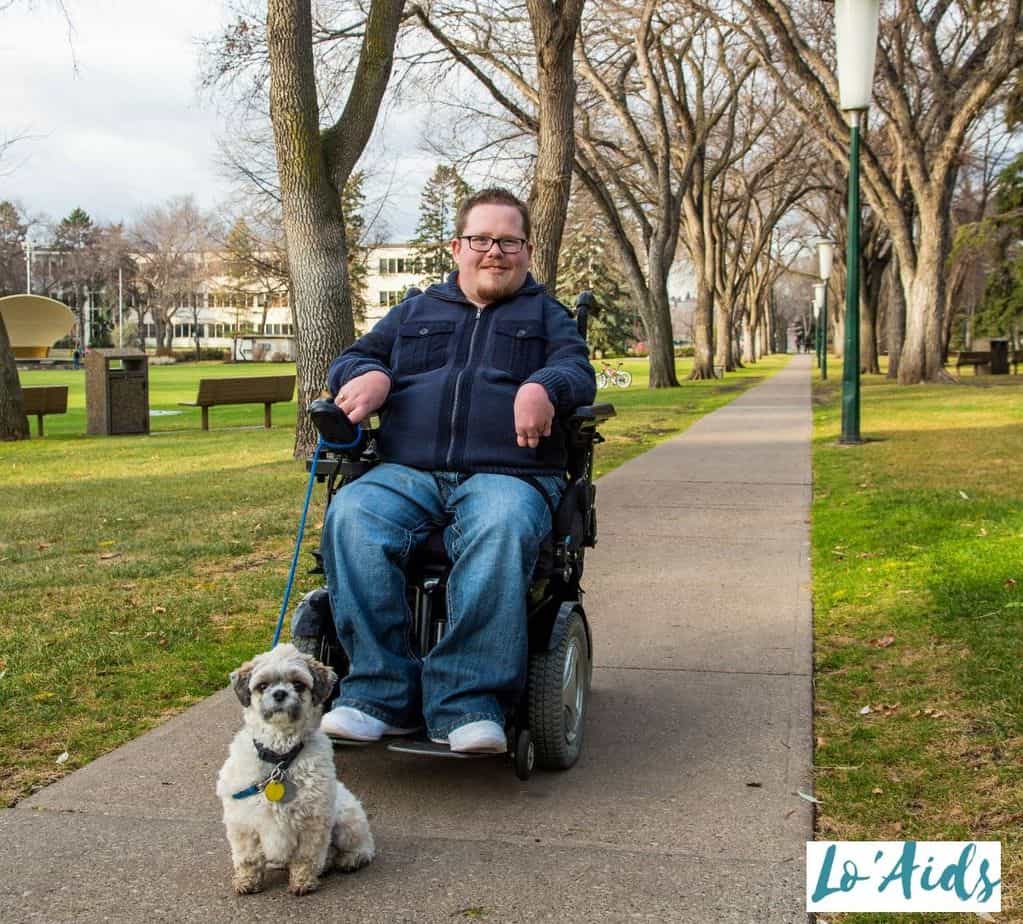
x=490, y=289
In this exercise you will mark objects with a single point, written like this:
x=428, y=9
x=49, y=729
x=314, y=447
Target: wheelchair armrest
x=589, y=415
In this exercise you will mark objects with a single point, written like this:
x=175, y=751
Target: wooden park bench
x=973, y=358
x=44, y=399
x=983, y=358
x=264, y=389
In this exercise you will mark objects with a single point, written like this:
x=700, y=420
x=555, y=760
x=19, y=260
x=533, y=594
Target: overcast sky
x=127, y=127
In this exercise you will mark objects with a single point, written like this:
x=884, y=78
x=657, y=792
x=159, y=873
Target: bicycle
x=610, y=375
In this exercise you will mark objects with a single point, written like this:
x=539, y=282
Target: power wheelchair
x=546, y=726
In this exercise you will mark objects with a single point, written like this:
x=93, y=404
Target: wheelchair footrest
x=428, y=748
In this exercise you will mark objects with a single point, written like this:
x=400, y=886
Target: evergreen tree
x=353, y=201
x=438, y=205
x=588, y=262
x=76, y=237
x=12, y=254
x=1003, y=295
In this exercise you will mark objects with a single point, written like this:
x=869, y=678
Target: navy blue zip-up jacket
x=455, y=369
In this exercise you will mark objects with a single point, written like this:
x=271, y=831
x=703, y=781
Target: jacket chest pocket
x=423, y=345
x=520, y=347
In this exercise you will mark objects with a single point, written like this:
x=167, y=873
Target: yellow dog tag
x=274, y=790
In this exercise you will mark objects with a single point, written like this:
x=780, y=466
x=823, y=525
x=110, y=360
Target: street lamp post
x=856, y=23
x=820, y=295
x=27, y=244
x=825, y=259
x=816, y=328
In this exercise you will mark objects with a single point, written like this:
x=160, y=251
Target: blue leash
x=322, y=444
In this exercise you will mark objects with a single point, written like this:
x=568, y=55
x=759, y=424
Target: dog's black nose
x=280, y=695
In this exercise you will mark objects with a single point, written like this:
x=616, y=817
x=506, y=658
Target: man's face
x=487, y=277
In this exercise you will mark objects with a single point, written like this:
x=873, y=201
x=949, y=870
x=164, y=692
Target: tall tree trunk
x=658, y=327
x=896, y=317
x=723, y=334
x=13, y=422
x=749, y=354
x=921, y=359
x=554, y=38
x=868, y=330
x=313, y=169
x=703, y=328
x=701, y=242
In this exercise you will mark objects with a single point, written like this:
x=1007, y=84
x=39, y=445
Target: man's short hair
x=495, y=195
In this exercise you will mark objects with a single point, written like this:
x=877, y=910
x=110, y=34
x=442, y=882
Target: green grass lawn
x=136, y=572
x=918, y=599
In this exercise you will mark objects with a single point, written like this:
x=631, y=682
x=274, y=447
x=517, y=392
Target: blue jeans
x=493, y=527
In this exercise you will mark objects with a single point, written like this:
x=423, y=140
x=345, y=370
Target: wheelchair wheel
x=559, y=686
x=525, y=755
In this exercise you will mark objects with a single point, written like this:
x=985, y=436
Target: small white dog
x=283, y=804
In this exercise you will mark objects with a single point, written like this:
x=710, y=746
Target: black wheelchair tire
x=559, y=686
x=525, y=754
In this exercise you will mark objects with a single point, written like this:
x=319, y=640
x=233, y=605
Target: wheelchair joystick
x=585, y=306
x=334, y=426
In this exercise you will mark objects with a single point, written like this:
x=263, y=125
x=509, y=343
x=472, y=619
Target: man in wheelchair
x=474, y=379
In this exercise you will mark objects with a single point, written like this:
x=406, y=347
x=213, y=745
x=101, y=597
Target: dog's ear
x=240, y=681
x=324, y=679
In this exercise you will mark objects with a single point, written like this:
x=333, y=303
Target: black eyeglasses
x=481, y=243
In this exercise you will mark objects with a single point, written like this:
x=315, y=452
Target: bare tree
x=555, y=25
x=313, y=166
x=530, y=74
x=941, y=65
x=171, y=241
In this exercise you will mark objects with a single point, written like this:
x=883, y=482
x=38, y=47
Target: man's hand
x=361, y=396
x=534, y=414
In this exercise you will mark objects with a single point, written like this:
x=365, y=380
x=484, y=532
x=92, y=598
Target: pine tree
x=12, y=249
x=588, y=262
x=75, y=237
x=1002, y=307
x=438, y=205
x=353, y=201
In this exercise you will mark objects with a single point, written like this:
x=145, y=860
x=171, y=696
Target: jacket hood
x=450, y=292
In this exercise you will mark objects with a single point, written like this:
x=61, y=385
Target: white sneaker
x=483, y=737
x=346, y=722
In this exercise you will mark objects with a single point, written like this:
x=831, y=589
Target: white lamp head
x=825, y=257
x=856, y=23
x=819, y=294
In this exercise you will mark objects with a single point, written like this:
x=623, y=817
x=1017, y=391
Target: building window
x=389, y=298
x=392, y=266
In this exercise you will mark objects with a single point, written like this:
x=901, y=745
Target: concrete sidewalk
x=683, y=807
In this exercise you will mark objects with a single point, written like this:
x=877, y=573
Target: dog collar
x=273, y=757
x=274, y=786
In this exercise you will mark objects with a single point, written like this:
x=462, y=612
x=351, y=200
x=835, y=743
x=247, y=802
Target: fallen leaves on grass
x=884, y=641
x=964, y=495
x=882, y=709
x=62, y=757
x=808, y=797
x=107, y=556
x=929, y=713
